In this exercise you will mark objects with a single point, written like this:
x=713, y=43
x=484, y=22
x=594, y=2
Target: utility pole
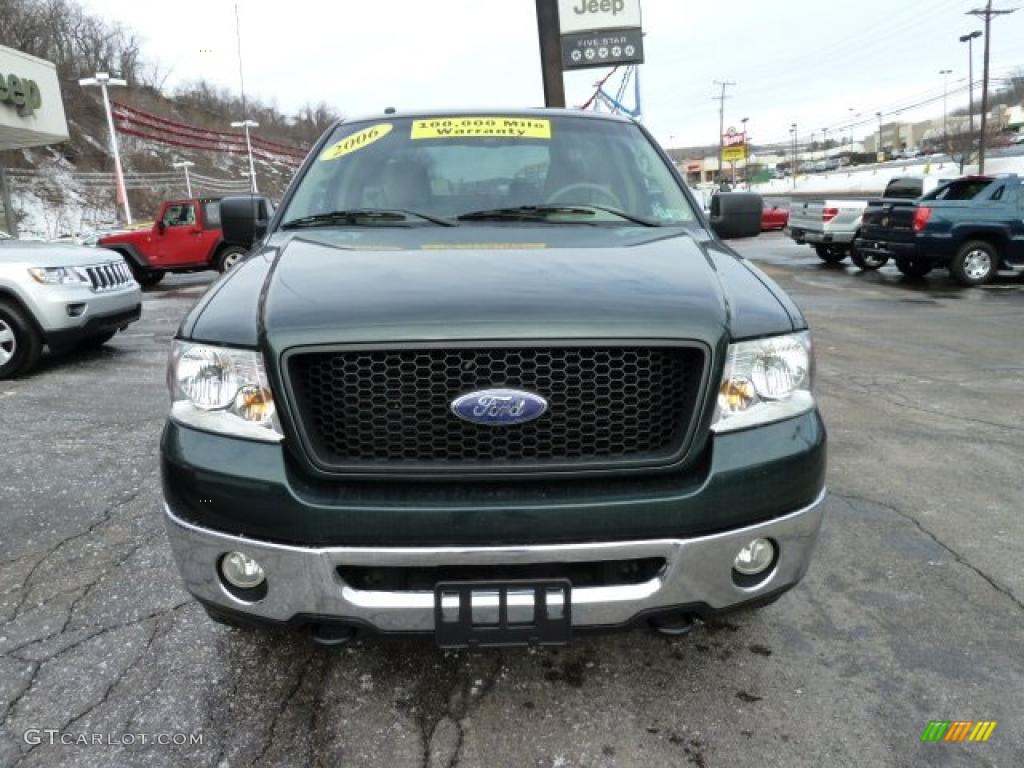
x=548, y=31
x=987, y=13
x=103, y=80
x=945, y=106
x=880, y=150
x=969, y=39
x=721, y=121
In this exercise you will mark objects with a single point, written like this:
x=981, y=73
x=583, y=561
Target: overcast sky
x=803, y=61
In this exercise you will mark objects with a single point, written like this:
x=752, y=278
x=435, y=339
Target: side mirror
x=244, y=218
x=736, y=214
x=160, y=227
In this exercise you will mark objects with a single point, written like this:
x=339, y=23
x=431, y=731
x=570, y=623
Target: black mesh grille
x=392, y=407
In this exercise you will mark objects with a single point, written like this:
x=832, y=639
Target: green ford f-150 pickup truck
x=491, y=376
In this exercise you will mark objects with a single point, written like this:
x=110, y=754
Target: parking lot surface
x=912, y=610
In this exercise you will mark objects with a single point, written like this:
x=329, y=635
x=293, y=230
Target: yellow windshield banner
x=356, y=141
x=481, y=127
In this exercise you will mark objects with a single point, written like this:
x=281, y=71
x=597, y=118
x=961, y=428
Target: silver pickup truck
x=61, y=296
x=831, y=226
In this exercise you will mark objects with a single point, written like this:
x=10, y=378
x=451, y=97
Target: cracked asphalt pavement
x=912, y=610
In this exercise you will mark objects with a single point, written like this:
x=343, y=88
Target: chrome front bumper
x=303, y=580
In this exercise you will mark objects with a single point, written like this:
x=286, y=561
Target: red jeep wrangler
x=185, y=238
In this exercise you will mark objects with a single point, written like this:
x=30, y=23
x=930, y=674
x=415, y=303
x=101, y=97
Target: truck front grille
x=110, y=276
x=391, y=409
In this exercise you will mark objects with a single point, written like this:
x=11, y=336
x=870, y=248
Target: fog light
x=241, y=571
x=755, y=558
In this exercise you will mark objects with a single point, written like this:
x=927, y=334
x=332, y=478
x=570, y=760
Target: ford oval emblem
x=499, y=407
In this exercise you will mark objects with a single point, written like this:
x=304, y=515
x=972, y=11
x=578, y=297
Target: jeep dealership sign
x=600, y=33
x=31, y=110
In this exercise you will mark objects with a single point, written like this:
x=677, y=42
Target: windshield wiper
x=355, y=215
x=541, y=212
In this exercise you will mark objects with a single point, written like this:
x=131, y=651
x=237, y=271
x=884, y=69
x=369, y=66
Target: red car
x=774, y=216
x=185, y=238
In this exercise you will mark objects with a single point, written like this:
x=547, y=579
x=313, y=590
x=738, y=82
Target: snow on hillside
x=871, y=181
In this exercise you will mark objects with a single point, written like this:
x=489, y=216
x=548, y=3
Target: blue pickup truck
x=974, y=226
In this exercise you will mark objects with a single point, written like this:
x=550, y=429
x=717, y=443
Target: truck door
x=180, y=240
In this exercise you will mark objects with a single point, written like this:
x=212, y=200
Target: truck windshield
x=491, y=168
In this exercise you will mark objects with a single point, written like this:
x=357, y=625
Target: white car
x=60, y=296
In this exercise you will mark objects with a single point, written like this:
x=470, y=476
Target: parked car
x=186, y=237
x=974, y=226
x=431, y=401
x=774, y=217
x=831, y=226
x=60, y=296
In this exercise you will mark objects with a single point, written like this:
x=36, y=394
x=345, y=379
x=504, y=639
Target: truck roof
x=487, y=112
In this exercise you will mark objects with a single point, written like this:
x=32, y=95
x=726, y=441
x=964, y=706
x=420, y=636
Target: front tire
x=976, y=263
x=20, y=343
x=229, y=258
x=830, y=254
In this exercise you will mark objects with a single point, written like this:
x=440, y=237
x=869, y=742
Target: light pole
x=945, y=107
x=104, y=80
x=969, y=39
x=186, y=164
x=852, y=118
x=879, y=116
x=824, y=144
x=746, y=151
x=247, y=124
x=792, y=130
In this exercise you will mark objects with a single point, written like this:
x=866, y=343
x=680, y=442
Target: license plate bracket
x=501, y=614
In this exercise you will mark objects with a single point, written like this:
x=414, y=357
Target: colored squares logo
x=958, y=730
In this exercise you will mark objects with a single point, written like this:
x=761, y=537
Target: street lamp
x=969, y=39
x=792, y=130
x=945, y=109
x=746, y=152
x=104, y=80
x=879, y=116
x=186, y=164
x=247, y=124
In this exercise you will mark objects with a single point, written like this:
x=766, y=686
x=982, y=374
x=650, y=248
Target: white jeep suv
x=61, y=296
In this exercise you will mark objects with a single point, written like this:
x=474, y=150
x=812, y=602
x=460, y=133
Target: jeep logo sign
x=593, y=15
x=20, y=93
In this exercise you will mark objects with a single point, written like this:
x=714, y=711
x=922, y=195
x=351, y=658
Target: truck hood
x=490, y=283
x=334, y=287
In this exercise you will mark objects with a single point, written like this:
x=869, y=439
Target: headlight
x=222, y=390
x=58, y=275
x=765, y=380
